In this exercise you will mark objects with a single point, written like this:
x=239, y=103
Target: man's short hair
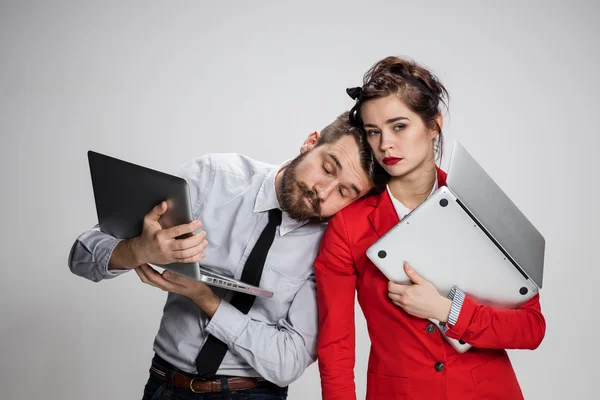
x=342, y=127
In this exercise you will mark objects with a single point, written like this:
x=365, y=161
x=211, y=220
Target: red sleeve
x=336, y=284
x=489, y=328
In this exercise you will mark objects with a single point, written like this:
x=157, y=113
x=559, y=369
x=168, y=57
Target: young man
x=213, y=340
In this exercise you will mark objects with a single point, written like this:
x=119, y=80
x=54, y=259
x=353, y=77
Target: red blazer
x=409, y=359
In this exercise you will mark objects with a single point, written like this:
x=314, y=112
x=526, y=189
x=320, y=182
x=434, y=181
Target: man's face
x=323, y=180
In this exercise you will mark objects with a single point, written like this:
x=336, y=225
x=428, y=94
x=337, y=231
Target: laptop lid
x=125, y=192
x=443, y=244
x=502, y=220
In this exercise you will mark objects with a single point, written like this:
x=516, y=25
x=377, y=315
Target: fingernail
x=167, y=274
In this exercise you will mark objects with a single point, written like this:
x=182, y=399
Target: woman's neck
x=414, y=188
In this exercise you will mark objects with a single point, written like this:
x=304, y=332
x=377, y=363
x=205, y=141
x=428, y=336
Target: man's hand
x=169, y=281
x=420, y=299
x=158, y=246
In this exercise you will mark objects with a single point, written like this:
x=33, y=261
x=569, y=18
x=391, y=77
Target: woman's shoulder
x=361, y=207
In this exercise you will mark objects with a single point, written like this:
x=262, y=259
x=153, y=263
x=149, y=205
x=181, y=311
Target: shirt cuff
x=105, y=250
x=458, y=297
x=467, y=311
x=227, y=323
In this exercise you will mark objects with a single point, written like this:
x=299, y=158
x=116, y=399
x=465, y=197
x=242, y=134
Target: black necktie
x=212, y=353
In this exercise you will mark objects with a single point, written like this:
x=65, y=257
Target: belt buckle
x=192, y=385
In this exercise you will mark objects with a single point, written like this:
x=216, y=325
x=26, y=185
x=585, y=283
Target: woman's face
x=399, y=138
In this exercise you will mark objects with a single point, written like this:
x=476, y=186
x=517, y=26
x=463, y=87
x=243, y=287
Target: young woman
x=398, y=109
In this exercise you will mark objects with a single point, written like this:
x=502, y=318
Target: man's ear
x=310, y=142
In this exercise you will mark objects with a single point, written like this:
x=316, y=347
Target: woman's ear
x=437, y=126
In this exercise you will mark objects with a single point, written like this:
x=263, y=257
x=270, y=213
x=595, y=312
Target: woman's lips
x=391, y=160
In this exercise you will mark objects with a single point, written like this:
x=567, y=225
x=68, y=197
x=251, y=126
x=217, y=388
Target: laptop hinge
x=508, y=257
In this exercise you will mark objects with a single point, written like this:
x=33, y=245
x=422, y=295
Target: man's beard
x=292, y=195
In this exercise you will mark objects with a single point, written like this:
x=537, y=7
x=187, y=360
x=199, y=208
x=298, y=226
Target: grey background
x=158, y=83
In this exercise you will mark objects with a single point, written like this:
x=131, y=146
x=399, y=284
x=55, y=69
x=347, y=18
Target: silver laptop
x=124, y=193
x=468, y=234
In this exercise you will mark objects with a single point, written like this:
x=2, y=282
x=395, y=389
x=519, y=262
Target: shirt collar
x=266, y=200
x=400, y=208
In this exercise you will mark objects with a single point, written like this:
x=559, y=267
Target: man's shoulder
x=231, y=164
x=239, y=164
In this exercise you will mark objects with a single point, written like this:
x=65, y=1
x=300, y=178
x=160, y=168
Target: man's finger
x=179, y=230
x=156, y=212
x=176, y=279
x=143, y=276
x=190, y=253
x=156, y=279
x=197, y=258
x=188, y=243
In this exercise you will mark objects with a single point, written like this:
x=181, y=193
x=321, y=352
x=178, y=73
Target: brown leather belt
x=198, y=385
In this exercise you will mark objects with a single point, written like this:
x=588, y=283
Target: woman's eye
x=372, y=133
x=399, y=127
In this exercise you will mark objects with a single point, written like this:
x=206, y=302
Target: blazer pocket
x=496, y=380
x=387, y=387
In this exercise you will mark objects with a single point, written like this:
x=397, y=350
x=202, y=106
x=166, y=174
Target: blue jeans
x=159, y=388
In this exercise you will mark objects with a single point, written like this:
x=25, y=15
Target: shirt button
x=430, y=328
x=439, y=366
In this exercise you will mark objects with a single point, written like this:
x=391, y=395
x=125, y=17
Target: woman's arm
x=336, y=284
x=486, y=327
x=479, y=325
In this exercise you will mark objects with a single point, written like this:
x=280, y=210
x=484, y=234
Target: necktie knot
x=275, y=216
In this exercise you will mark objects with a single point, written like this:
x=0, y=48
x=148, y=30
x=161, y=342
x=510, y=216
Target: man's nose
x=324, y=190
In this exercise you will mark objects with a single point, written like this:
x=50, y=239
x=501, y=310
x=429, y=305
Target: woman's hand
x=420, y=299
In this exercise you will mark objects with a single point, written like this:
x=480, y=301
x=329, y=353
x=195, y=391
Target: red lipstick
x=391, y=160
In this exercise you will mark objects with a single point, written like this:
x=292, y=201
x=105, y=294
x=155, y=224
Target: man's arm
x=279, y=351
x=97, y=256
x=91, y=253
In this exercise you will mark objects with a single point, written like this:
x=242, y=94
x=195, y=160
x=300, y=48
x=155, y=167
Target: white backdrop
x=160, y=82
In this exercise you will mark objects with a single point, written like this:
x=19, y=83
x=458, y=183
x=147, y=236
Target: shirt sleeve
x=486, y=327
x=279, y=352
x=90, y=254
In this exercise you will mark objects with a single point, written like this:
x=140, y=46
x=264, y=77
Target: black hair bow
x=354, y=92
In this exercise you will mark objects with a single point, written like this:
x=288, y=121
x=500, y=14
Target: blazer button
x=439, y=366
x=430, y=328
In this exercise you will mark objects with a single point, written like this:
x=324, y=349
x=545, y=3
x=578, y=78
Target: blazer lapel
x=384, y=216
